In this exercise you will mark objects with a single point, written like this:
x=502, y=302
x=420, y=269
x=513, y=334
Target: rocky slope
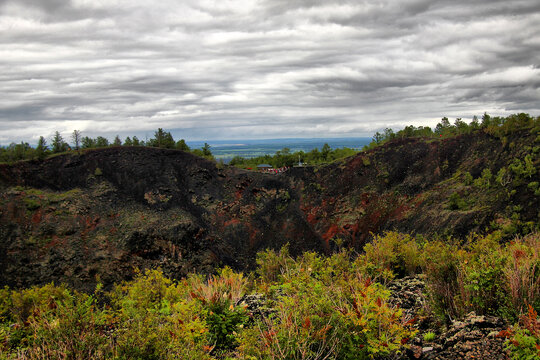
x=426, y=187
x=76, y=218
x=95, y=216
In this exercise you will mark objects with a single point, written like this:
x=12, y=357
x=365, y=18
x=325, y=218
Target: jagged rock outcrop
x=475, y=337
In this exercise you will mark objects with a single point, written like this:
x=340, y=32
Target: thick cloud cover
x=233, y=69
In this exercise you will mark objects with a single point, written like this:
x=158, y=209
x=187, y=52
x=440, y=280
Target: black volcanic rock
x=97, y=215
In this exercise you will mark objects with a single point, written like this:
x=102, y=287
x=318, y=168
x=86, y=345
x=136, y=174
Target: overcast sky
x=241, y=69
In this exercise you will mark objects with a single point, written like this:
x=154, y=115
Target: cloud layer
x=233, y=69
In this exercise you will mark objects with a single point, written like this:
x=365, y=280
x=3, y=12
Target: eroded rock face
x=79, y=219
x=475, y=337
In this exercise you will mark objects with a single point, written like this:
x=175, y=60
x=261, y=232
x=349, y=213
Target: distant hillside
x=77, y=218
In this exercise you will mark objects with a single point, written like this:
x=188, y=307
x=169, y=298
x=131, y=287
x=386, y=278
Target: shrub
x=483, y=276
x=37, y=298
x=534, y=186
x=5, y=304
x=219, y=296
x=440, y=264
x=482, y=286
x=455, y=202
x=321, y=307
x=525, y=169
x=372, y=328
x=70, y=329
x=271, y=265
x=524, y=342
x=146, y=291
x=51, y=322
x=468, y=179
x=326, y=309
x=522, y=272
x=484, y=181
x=504, y=177
x=156, y=318
x=392, y=251
x=429, y=336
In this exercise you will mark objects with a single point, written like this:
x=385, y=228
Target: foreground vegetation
x=311, y=307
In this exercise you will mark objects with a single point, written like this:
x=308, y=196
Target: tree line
x=58, y=145
x=287, y=158
x=494, y=125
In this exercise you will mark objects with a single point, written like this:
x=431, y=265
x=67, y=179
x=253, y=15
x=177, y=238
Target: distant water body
x=227, y=149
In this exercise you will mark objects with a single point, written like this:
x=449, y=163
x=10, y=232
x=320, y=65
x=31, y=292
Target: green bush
x=468, y=179
x=523, y=169
x=313, y=307
x=157, y=319
x=271, y=264
x=71, y=329
x=429, y=336
x=51, y=322
x=6, y=304
x=534, y=186
x=219, y=296
x=524, y=342
x=392, y=251
x=326, y=309
x=455, y=202
x=484, y=181
x=504, y=177
x=483, y=287
x=522, y=272
x=441, y=262
x=483, y=276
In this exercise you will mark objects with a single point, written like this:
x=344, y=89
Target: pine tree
x=162, y=139
x=88, y=142
x=41, y=148
x=181, y=145
x=206, y=150
x=101, y=142
x=58, y=143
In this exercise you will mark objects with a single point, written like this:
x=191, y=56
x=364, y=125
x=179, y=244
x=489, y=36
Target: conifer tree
x=181, y=145
x=58, y=143
x=41, y=148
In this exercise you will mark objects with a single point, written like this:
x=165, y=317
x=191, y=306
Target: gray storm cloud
x=261, y=69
